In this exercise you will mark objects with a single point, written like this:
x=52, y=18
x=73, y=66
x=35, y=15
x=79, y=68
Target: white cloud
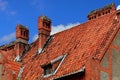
x=118, y=7
x=7, y=38
x=34, y=2
x=55, y=29
x=13, y=12
x=3, y=5
x=38, y=4
x=59, y=28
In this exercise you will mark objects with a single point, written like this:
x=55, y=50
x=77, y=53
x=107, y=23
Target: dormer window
x=51, y=68
x=48, y=69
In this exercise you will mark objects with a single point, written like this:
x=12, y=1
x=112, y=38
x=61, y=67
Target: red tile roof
x=10, y=66
x=80, y=43
x=87, y=40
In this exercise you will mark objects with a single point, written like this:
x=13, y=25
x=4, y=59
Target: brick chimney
x=102, y=11
x=22, y=37
x=44, y=29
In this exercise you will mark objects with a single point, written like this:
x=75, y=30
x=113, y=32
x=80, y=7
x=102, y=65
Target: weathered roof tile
x=79, y=43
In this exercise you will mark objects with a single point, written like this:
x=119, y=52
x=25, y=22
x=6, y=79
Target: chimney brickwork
x=44, y=29
x=22, y=37
x=102, y=11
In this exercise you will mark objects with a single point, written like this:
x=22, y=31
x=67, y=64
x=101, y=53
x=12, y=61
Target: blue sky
x=63, y=13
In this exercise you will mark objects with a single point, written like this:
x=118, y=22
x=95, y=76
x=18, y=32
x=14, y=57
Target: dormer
x=102, y=11
x=52, y=67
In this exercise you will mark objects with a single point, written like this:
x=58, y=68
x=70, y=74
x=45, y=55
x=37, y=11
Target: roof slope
x=10, y=67
x=81, y=42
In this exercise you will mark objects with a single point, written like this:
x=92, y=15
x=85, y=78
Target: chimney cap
x=100, y=9
x=22, y=26
x=45, y=18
